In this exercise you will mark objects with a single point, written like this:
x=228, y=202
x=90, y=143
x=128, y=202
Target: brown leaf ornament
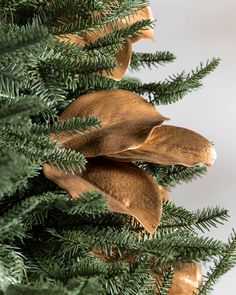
x=131, y=131
x=187, y=279
x=123, y=56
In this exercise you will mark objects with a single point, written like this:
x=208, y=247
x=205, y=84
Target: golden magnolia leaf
x=165, y=194
x=74, y=184
x=129, y=189
x=187, y=279
x=127, y=121
x=135, y=190
x=141, y=14
x=168, y=145
x=123, y=58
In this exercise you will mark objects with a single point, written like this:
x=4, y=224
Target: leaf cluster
x=50, y=243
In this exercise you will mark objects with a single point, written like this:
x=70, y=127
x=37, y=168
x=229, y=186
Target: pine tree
x=51, y=242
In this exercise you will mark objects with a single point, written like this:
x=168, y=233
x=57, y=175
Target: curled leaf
x=141, y=14
x=168, y=145
x=187, y=279
x=127, y=122
x=135, y=190
x=74, y=184
x=123, y=58
x=129, y=189
x=165, y=194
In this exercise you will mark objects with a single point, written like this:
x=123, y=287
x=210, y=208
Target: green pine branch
x=42, y=82
x=174, y=88
x=11, y=6
x=182, y=245
x=90, y=204
x=72, y=126
x=59, y=21
x=16, y=44
x=15, y=172
x=139, y=281
x=10, y=78
x=69, y=61
x=13, y=269
x=173, y=214
x=176, y=217
x=20, y=40
x=15, y=109
x=210, y=217
x=166, y=282
x=39, y=150
x=170, y=176
x=11, y=221
x=119, y=36
x=226, y=261
x=140, y=59
x=169, y=91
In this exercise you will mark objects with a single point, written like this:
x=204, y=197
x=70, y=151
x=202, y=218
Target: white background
x=196, y=30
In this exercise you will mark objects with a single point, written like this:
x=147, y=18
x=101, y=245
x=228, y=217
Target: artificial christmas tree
x=87, y=161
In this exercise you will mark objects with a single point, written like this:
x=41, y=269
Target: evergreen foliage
x=175, y=87
x=224, y=263
x=50, y=243
x=169, y=176
x=165, y=285
x=150, y=59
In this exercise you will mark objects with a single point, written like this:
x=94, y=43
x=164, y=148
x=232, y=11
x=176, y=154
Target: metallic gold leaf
x=187, y=279
x=165, y=194
x=129, y=189
x=168, y=145
x=127, y=120
x=144, y=14
x=141, y=14
x=135, y=190
x=74, y=184
x=123, y=58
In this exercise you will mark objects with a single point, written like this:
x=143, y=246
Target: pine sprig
x=176, y=217
x=15, y=171
x=91, y=204
x=210, y=217
x=182, y=245
x=75, y=125
x=139, y=282
x=70, y=126
x=19, y=108
x=13, y=218
x=225, y=262
x=140, y=59
x=172, y=212
x=21, y=39
x=13, y=269
x=74, y=22
x=170, y=176
x=121, y=35
x=165, y=284
x=174, y=88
